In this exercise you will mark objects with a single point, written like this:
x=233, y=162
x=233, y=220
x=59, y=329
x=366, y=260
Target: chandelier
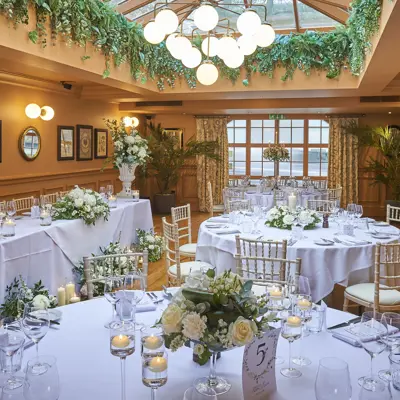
x=231, y=47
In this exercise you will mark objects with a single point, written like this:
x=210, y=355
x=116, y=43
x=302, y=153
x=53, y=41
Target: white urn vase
x=126, y=176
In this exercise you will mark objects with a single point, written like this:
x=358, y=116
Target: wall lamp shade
x=135, y=122
x=167, y=21
x=207, y=73
x=153, y=33
x=130, y=122
x=47, y=113
x=264, y=36
x=206, y=17
x=32, y=111
x=248, y=23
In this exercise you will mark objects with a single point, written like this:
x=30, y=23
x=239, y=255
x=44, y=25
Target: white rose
x=89, y=199
x=150, y=239
x=194, y=326
x=198, y=349
x=171, y=319
x=78, y=203
x=288, y=219
x=242, y=331
x=151, y=247
x=41, y=302
x=135, y=149
x=142, y=153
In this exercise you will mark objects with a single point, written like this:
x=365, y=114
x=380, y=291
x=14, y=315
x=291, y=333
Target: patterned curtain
x=343, y=159
x=212, y=128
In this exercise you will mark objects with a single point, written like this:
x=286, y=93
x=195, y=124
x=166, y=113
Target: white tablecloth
x=48, y=253
x=322, y=265
x=88, y=371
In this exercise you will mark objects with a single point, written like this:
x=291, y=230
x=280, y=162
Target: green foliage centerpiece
x=283, y=218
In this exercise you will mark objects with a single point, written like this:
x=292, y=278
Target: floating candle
x=294, y=321
x=61, y=296
x=120, y=341
x=152, y=342
x=158, y=364
x=74, y=299
x=275, y=293
x=304, y=304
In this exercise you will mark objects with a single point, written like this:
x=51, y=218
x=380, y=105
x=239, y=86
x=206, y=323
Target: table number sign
x=258, y=371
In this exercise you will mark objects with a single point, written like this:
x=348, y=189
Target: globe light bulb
x=32, y=111
x=135, y=122
x=170, y=42
x=206, y=17
x=207, y=73
x=211, y=51
x=226, y=45
x=234, y=59
x=153, y=33
x=192, y=58
x=46, y=113
x=180, y=46
x=247, y=45
x=264, y=36
x=248, y=23
x=167, y=21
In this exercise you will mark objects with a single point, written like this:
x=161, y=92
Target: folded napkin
x=144, y=305
x=218, y=219
x=352, y=240
x=224, y=231
x=216, y=225
x=249, y=236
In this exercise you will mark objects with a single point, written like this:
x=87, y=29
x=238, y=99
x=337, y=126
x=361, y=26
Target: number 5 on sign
x=258, y=374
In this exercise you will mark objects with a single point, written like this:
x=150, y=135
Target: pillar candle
x=292, y=202
x=61, y=296
x=69, y=291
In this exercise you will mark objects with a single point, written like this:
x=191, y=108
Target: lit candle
x=9, y=228
x=304, y=304
x=152, y=342
x=120, y=341
x=74, y=299
x=294, y=321
x=158, y=364
x=274, y=291
x=9, y=222
x=135, y=194
x=69, y=291
x=61, y=296
x=292, y=202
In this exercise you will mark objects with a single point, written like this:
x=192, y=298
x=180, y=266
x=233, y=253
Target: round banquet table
x=88, y=371
x=324, y=266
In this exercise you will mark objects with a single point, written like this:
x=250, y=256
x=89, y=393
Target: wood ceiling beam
x=333, y=12
x=145, y=18
x=343, y=4
x=296, y=15
x=132, y=5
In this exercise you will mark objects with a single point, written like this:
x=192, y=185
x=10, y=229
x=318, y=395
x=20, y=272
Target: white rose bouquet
x=281, y=217
x=128, y=148
x=217, y=313
x=81, y=203
x=150, y=242
x=18, y=293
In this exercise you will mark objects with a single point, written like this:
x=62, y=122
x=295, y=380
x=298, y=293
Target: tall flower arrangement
x=128, y=148
x=276, y=152
x=151, y=242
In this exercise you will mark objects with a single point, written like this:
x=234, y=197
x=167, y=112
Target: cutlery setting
x=154, y=298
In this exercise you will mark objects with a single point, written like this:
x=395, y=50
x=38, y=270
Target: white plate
x=322, y=243
x=381, y=223
x=381, y=236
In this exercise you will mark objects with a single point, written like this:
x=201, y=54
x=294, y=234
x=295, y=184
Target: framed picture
x=177, y=132
x=65, y=143
x=100, y=143
x=1, y=143
x=84, y=142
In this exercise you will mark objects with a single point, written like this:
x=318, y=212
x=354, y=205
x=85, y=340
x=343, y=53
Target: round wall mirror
x=30, y=143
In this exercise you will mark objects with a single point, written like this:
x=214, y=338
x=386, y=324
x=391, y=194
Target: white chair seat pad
x=188, y=248
x=365, y=291
x=188, y=266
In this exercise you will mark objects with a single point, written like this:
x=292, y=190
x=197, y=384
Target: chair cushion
x=219, y=208
x=188, y=266
x=188, y=248
x=365, y=291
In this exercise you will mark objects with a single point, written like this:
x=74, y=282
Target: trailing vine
x=93, y=21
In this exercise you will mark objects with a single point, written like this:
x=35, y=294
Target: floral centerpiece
x=18, y=293
x=106, y=268
x=276, y=152
x=151, y=242
x=85, y=204
x=284, y=218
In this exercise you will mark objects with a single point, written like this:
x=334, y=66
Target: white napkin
x=218, y=219
x=352, y=240
x=145, y=304
x=249, y=236
x=215, y=225
x=225, y=231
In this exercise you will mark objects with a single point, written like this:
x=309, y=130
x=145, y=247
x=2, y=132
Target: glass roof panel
x=115, y=2
x=311, y=18
x=143, y=11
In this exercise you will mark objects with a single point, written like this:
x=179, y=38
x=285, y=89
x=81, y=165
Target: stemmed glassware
x=155, y=371
x=122, y=345
x=358, y=211
x=333, y=380
x=291, y=330
x=371, y=333
x=255, y=217
x=112, y=285
x=102, y=192
x=35, y=324
x=2, y=216
x=134, y=291
x=351, y=210
x=11, y=208
x=109, y=190
x=379, y=391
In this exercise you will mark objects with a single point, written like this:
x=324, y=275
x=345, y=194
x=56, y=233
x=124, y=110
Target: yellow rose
x=171, y=319
x=242, y=331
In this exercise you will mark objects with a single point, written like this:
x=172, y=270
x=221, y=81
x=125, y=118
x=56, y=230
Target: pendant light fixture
x=206, y=17
x=167, y=21
x=153, y=33
x=264, y=36
x=248, y=22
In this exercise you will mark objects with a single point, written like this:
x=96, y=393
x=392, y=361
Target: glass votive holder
x=112, y=201
x=247, y=225
x=45, y=217
x=276, y=296
x=9, y=228
x=122, y=339
x=155, y=370
x=135, y=194
x=394, y=358
x=152, y=341
x=316, y=323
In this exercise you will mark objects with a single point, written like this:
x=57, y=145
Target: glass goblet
x=291, y=330
x=35, y=324
x=112, y=285
x=11, y=208
x=378, y=391
x=110, y=190
x=122, y=345
x=134, y=291
x=155, y=372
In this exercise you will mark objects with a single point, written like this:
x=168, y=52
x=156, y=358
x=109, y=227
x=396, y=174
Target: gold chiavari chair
x=238, y=205
x=49, y=198
x=24, y=204
x=63, y=193
x=321, y=206
x=183, y=218
x=392, y=214
x=334, y=194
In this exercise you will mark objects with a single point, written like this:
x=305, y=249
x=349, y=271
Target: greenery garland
x=93, y=21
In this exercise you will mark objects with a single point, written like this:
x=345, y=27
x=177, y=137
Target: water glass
x=134, y=291
x=110, y=190
x=2, y=216
x=333, y=380
x=247, y=225
x=391, y=321
x=152, y=341
x=316, y=323
x=394, y=359
x=351, y=210
x=11, y=208
x=44, y=385
x=102, y=192
x=45, y=217
x=379, y=391
x=155, y=372
x=291, y=330
x=112, y=285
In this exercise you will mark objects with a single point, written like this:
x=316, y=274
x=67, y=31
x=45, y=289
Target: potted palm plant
x=167, y=157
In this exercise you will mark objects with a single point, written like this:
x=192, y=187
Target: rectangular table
x=49, y=253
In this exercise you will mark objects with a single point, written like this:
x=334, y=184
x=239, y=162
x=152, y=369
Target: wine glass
x=379, y=391
x=255, y=217
x=333, y=380
x=44, y=385
x=358, y=211
x=11, y=208
x=109, y=190
x=291, y=331
x=11, y=342
x=112, y=285
x=392, y=323
x=371, y=333
x=351, y=210
x=102, y=192
x=155, y=372
x=3, y=214
x=35, y=324
x=122, y=344
x=134, y=291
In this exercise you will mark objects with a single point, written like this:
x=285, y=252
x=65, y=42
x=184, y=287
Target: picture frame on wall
x=177, y=132
x=65, y=143
x=100, y=143
x=84, y=142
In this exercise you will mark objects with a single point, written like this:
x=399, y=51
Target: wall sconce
x=33, y=111
x=131, y=122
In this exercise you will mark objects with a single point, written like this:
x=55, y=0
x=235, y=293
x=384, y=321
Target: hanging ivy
x=93, y=21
